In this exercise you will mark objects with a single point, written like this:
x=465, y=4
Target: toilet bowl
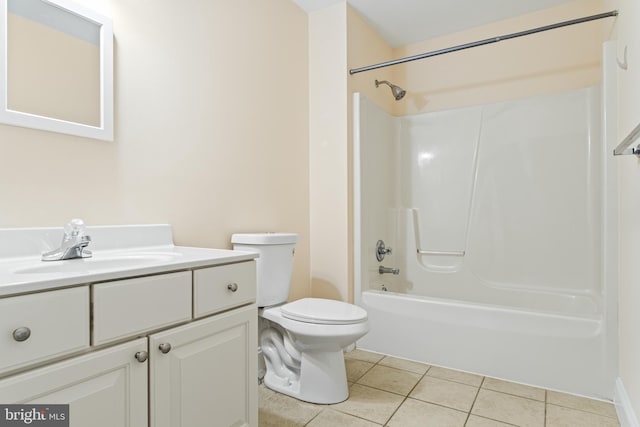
x=303, y=347
x=302, y=342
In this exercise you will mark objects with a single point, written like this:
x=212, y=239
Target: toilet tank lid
x=264, y=238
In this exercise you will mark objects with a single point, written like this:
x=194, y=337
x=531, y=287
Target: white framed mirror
x=56, y=68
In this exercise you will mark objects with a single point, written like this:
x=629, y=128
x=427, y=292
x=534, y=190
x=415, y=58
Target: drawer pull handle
x=232, y=287
x=165, y=347
x=21, y=334
x=142, y=356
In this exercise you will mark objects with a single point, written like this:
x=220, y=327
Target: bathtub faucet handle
x=382, y=250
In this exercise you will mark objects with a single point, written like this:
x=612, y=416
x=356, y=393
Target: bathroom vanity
x=143, y=333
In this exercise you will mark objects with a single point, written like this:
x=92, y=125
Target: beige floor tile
x=476, y=421
x=514, y=388
x=356, y=369
x=509, y=409
x=414, y=413
x=406, y=365
x=264, y=393
x=390, y=379
x=559, y=416
x=280, y=410
x=452, y=375
x=366, y=356
x=581, y=403
x=331, y=418
x=446, y=393
x=369, y=403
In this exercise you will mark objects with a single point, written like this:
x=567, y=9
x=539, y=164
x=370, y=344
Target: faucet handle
x=382, y=250
x=74, y=228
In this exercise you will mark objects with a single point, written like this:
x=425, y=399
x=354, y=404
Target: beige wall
x=556, y=60
x=629, y=203
x=211, y=130
x=339, y=39
x=328, y=160
x=365, y=47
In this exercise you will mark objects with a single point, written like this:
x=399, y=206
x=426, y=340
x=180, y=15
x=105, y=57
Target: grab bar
x=623, y=147
x=454, y=253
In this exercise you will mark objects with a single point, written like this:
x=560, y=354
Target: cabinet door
x=107, y=388
x=209, y=376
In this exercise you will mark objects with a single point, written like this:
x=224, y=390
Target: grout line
x=329, y=407
x=363, y=374
x=407, y=395
x=356, y=416
x=396, y=410
x=457, y=381
x=440, y=405
x=492, y=419
x=545, y=408
x=314, y=417
x=474, y=401
x=516, y=395
x=586, y=412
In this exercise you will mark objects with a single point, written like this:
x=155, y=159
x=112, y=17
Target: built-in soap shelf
x=623, y=147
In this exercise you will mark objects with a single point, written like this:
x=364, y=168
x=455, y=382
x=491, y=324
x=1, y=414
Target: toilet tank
x=274, y=265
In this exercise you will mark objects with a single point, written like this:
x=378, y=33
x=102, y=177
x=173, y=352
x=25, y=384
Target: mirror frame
x=18, y=118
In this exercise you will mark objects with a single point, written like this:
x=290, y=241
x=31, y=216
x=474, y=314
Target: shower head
x=398, y=92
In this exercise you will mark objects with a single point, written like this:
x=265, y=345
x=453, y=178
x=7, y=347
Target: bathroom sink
x=99, y=263
x=119, y=252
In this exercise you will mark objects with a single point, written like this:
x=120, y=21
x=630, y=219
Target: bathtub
x=503, y=223
x=541, y=349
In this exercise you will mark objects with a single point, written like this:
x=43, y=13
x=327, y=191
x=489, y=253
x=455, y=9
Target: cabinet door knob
x=142, y=356
x=232, y=287
x=165, y=347
x=21, y=334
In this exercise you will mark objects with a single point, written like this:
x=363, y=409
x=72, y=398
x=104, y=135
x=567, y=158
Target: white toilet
x=302, y=341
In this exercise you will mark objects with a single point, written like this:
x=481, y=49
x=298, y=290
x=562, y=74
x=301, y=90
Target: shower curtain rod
x=484, y=42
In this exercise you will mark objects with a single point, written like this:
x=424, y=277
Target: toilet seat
x=323, y=311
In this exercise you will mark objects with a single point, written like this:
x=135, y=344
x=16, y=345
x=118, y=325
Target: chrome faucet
x=383, y=270
x=73, y=244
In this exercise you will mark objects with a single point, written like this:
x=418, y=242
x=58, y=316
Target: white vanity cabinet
x=105, y=388
x=151, y=359
x=43, y=326
x=204, y=373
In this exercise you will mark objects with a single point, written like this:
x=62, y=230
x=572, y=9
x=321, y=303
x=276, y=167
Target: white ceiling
x=402, y=22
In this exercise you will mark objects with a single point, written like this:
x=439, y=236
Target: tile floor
x=386, y=391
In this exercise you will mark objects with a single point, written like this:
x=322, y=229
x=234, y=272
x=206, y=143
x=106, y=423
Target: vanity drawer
x=213, y=288
x=130, y=307
x=43, y=326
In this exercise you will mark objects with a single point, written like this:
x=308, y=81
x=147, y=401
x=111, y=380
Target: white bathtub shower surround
x=514, y=186
x=437, y=155
x=502, y=221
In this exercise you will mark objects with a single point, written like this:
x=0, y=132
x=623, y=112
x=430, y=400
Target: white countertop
x=122, y=252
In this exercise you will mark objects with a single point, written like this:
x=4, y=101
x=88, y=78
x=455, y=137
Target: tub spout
x=383, y=270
